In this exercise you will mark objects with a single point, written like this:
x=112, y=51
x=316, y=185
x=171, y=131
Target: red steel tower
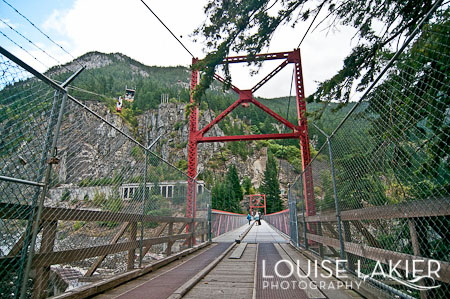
x=246, y=98
x=257, y=201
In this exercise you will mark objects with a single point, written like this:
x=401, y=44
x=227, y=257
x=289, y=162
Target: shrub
x=108, y=224
x=114, y=204
x=177, y=125
x=136, y=153
x=181, y=145
x=182, y=164
x=89, y=182
x=78, y=224
x=65, y=195
x=99, y=199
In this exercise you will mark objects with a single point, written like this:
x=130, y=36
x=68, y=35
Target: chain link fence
x=81, y=199
x=382, y=179
x=280, y=220
x=223, y=222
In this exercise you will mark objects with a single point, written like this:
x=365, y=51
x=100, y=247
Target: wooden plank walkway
x=238, y=251
x=263, y=234
x=231, y=278
x=164, y=283
x=238, y=275
x=231, y=236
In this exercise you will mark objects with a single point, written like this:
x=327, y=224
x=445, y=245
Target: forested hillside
x=106, y=77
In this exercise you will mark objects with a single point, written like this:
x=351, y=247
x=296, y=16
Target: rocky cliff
x=98, y=150
x=170, y=123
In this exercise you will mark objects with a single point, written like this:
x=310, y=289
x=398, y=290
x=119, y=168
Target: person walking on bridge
x=249, y=217
x=257, y=219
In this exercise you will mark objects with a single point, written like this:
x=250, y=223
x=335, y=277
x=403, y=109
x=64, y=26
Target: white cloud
x=128, y=27
x=8, y=23
x=55, y=22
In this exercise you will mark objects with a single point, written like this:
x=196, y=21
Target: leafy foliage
x=248, y=26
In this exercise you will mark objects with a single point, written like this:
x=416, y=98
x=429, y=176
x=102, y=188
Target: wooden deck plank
x=231, y=278
x=237, y=253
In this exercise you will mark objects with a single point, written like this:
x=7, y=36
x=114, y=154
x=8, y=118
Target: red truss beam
x=246, y=96
x=255, y=202
x=310, y=203
x=220, y=117
x=249, y=137
x=274, y=115
x=220, y=79
x=270, y=75
x=257, y=57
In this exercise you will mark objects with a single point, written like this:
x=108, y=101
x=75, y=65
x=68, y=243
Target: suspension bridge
x=88, y=210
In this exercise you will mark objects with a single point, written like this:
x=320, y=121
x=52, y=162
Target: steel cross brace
x=255, y=202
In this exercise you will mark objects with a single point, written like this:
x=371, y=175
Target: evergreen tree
x=227, y=194
x=247, y=185
x=270, y=185
x=267, y=127
x=233, y=179
x=215, y=199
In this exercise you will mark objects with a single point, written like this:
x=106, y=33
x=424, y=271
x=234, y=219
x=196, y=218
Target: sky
x=126, y=26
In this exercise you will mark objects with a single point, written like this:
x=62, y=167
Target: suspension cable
x=32, y=24
x=167, y=28
x=22, y=48
x=30, y=41
x=49, y=38
x=312, y=22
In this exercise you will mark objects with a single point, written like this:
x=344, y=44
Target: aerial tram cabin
x=129, y=94
x=129, y=97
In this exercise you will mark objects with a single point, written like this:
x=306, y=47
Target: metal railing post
x=294, y=227
x=209, y=223
x=30, y=230
x=336, y=201
x=36, y=217
x=304, y=223
x=144, y=194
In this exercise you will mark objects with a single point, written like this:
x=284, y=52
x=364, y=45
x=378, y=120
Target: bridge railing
x=223, y=222
x=279, y=220
x=81, y=199
x=382, y=177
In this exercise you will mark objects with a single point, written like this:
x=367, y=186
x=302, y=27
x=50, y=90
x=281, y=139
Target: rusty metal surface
x=274, y=287
x=164, y=285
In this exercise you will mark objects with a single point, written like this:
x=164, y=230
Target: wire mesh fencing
x=382, y=179
x=81, y=199
x=223, y=222
x=280, y=220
